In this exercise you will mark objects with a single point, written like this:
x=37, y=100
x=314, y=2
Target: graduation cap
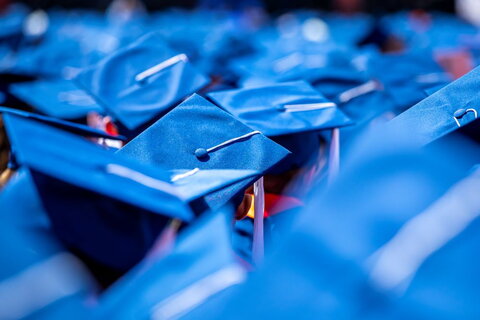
x=123, y=205
x=326, y=267
x=410, y=75
x=141, y=81
x=330, y=71
x=68, y=126
x=198, y=134
x=443, y=112
x=56, y=98
x=200, y=268
x=282, y=109
x=38, y=277
x=11, y=21
x=291, y=112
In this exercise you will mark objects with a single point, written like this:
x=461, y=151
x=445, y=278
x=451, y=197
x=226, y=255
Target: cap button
x=459, y=113
x=201, y=153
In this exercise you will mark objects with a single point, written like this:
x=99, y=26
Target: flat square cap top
x=198, y=134
x=142, y=80
x=283, y=108
x=56, y=98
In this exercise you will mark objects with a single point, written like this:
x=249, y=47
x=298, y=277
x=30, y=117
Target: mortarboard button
x=201, y=153
x=459, y=113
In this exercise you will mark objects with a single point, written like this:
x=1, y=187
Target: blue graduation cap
x=198, y=134
x=282, y=109
x=55, y=56
x=443, y=112
x=331, y=265
x=122, y=204
x=200, y=268
x=11, y=21
x=330, y=71
x=56, y=98
x=38, y=277
x=410, y=75
x=61, y=124
x=292, y=113
x=141, y=81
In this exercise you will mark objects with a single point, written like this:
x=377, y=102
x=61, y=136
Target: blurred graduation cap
x=287, y=112
x=38, y=277
x=123, y=205
x=56, y=98
x=141, y=81
x=282, y=109
x=198, y=134
x=443, y=112
x=200, y=267
x=331, y=267
x=68, y=126
x=11, y=21
x=410, y=74
x=330, y=71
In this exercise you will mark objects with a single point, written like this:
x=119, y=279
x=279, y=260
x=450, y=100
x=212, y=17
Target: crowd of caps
x=210, y=165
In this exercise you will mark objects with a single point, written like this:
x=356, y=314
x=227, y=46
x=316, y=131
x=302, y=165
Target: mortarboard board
x=329, y=71
x=82, y=186
x=38, y=277
x=441, y=113
x=56, y=98
x=289, y=112
x=141, y=81
x=61, y=124
x=198, y=134
x=199, y=268
x=411, y=74
x=282, y=109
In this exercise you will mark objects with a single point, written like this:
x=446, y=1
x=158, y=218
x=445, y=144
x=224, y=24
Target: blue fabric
x=56, y=98
x=433, y=117
x=205, y=182
x=330, y=69
x=11, y=21
x=80, y=192
x=112, y=81
x=409, y=75
x=27, y=240
x=171, y=142
x=262, y=108
x=68, y=126
x=201, y=250
x=325, y=264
